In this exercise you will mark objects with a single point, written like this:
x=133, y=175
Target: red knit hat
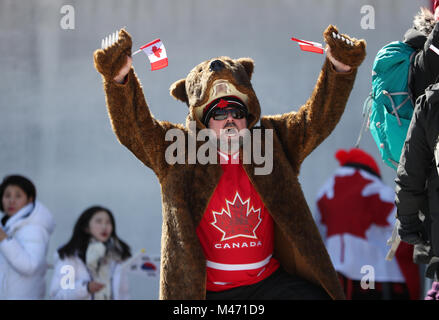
x=435, y=4
x=357, y=156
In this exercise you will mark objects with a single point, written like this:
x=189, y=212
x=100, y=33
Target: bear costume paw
x=345, y=49
x=110, y=60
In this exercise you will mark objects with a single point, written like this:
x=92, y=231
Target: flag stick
x=133, y=258
x=302, y=41
x=393, y=241
x=136, y=52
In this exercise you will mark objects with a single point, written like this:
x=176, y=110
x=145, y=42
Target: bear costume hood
x=216, y=78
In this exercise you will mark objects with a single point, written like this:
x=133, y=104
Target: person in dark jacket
x=417, y=182
x=424, y=71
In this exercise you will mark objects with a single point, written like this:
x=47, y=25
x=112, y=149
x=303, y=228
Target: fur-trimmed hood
x=424, y=21
x=423, y=25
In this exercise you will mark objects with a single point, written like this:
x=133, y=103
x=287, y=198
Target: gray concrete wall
x=53, y=122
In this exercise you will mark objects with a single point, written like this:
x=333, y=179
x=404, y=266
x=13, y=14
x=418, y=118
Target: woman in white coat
x=24, y=237
x=91, y=265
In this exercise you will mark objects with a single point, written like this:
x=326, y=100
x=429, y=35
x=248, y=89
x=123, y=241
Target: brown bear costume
x=187, y=188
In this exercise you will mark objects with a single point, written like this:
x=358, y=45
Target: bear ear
x=178, y=90
x=248, y=65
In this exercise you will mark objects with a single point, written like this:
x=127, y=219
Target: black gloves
x=411, y=229
x=432, y=269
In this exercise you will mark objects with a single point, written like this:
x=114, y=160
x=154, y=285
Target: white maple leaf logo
x=239, y=220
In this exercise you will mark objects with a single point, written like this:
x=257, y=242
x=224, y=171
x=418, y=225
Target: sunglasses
x=222, y=114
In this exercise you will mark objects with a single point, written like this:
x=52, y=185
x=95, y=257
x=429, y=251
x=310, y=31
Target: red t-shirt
x=236, y=233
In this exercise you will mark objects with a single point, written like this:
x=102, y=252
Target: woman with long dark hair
x=90, y=265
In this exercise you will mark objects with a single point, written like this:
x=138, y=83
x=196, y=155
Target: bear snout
x=216, y=65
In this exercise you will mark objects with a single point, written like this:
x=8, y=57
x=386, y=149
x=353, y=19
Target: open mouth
x=230, y=132
x=221, y=88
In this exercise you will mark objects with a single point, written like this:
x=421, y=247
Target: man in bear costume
x=206, y=248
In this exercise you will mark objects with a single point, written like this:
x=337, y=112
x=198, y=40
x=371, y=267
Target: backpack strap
x=395, y=109
x=367, y=108
x=409, y=76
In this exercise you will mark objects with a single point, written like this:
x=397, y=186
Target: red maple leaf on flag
x=156, y=51
x=350, y=212
x=238, y=220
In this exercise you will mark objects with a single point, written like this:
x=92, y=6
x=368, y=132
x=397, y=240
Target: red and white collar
x=226, y=158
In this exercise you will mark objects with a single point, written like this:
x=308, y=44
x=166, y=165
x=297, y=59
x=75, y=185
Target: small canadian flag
x=309, y=45
x=156, y=52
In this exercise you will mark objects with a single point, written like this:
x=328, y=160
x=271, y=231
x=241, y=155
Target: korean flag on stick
x=156, y=52
x=143, y=264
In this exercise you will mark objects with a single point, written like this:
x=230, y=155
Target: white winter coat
x=23, y=254
x=73, y=268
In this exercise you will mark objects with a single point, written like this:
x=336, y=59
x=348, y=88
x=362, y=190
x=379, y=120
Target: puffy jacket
x=417, y=181
x=23, y=254
x=61, y=289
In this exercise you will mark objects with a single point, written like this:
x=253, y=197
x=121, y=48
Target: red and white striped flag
x=156, y=52
x=309, y=46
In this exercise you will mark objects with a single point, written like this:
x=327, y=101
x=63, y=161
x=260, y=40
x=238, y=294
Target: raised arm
x=132, y=122
x=302, y=131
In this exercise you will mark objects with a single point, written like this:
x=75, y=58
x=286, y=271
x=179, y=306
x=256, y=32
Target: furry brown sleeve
x=129, y=114
x=302, y=131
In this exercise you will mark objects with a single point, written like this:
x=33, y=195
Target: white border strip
x=435, y=50
x=237, y=267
